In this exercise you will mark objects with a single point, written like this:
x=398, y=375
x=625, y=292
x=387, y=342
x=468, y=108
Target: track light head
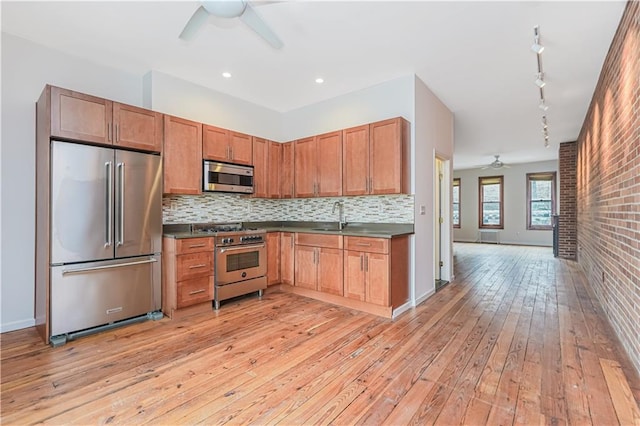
x=540, y=80
x=537, y=48
x=543, y=106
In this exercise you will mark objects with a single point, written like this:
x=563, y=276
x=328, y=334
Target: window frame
x=500, y=179
x=541, y=176
x=453, y=203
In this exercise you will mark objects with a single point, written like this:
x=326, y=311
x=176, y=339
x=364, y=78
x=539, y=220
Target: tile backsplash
x=219, y=207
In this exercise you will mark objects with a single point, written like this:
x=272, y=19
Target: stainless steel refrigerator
x=106, y=236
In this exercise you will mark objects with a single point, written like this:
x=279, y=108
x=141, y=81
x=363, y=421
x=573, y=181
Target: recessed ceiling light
x=226, y=74
x=319, y=80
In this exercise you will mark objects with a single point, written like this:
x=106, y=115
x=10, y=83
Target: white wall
x=26, y=68
x=433, y=136
x=390, y=99
x=171, y=95
x=515, y=203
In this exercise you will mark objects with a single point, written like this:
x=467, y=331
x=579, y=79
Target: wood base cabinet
x=287, y=257
x=187, y=278
x=273, y=258
x=376, y=270
x=318, y=263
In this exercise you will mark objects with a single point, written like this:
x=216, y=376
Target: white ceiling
x=475, y=56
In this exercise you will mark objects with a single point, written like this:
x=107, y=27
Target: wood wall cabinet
x=187, y=278
x=87, y=118
x=260, y=167
x=318, y=166
x=182, y=156
x=376, y=158
x=287, y=171
x=287, y=258
x=376, y=270
x=273, y=258
x=226, y=145
x=274, y=168
x=318, y=263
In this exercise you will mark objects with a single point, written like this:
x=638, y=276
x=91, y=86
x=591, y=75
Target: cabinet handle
x=230, y=153
x=361, y=262
x=371, y=185
x=202, y=290
x=202, y=265
x=366, y=184
x=366, y=263
x=197, y=245
x=364, y=244
x=109, y=131
x=117, y=134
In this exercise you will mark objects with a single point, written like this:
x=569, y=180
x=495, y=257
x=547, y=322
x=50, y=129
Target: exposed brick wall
x=608, y=185
x=567, y=222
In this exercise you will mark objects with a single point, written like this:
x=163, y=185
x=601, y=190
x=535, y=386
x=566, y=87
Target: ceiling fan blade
x=196, y=22
x=255, y=22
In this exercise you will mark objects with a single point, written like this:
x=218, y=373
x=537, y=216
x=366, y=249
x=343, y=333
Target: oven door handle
x=247, y=247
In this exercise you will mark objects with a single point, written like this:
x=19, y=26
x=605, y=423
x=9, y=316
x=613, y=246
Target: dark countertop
x=374, y=230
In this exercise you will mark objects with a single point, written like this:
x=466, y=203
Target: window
x=541, y=199
x=456, y=203
x=491, y=203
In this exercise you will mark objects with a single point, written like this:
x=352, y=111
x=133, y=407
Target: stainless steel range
x=240, y=259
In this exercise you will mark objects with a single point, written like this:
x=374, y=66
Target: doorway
x=441, y=216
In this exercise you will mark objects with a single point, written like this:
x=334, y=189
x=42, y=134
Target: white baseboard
x=17, y=325
x=401, y=309
x=424, y=297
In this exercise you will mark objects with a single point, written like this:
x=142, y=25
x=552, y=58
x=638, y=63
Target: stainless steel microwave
x=223, y=177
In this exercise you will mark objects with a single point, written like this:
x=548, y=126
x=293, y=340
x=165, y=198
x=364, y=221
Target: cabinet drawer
x=370, y=245
x=194, y=265
x=194, y=291
x=319, y=240
x=194, y=245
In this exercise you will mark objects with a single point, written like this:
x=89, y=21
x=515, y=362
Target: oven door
x=240, y=263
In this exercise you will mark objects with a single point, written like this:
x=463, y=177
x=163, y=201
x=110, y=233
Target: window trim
x=542, y=176
x=480, y=202
x=459, y=185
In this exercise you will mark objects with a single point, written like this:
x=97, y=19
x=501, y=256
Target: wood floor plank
x=518, y=338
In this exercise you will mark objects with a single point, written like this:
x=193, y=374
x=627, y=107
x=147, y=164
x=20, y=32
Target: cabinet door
x=273, y=258
x=137, y=128
x=355, y=160
x=330, y=271
x=81, y=117
x=215, y=143
x=240, y=148
x=305, y=167
x=260, y=154
x=274, y=166
x=376, y=268
x=182, y=156
x=286, y=173
x=287, y=258
x=354, y=275
x=306, y=270
x=329, y=164
x=385, y=157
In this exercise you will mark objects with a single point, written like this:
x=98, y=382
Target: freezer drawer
x=97, y=293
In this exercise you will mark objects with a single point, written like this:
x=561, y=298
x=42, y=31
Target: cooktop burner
x=222, y=228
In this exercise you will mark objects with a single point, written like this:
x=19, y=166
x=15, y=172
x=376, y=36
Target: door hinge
x=441, y=220
x=441, y=263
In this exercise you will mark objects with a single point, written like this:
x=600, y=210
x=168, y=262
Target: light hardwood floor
x=516, y=339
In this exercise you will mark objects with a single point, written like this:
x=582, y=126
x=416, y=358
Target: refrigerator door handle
x=98, y=268
x=121, y=202
x=109, y=226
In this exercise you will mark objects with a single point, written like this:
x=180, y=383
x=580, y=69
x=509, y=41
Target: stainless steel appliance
x=223, y=177
x=240, y=260
x=105, y=237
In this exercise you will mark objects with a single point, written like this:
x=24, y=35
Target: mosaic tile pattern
x=218, y=207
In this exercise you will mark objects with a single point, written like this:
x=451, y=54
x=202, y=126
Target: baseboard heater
x=489, y=236
x=61, y=339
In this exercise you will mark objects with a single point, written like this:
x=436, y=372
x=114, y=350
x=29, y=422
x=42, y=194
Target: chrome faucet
x=341, y=223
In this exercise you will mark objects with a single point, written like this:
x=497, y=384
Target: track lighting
x=538, y=49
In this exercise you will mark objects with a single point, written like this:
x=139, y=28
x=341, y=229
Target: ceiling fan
x=230, y=9
x=496, y=164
